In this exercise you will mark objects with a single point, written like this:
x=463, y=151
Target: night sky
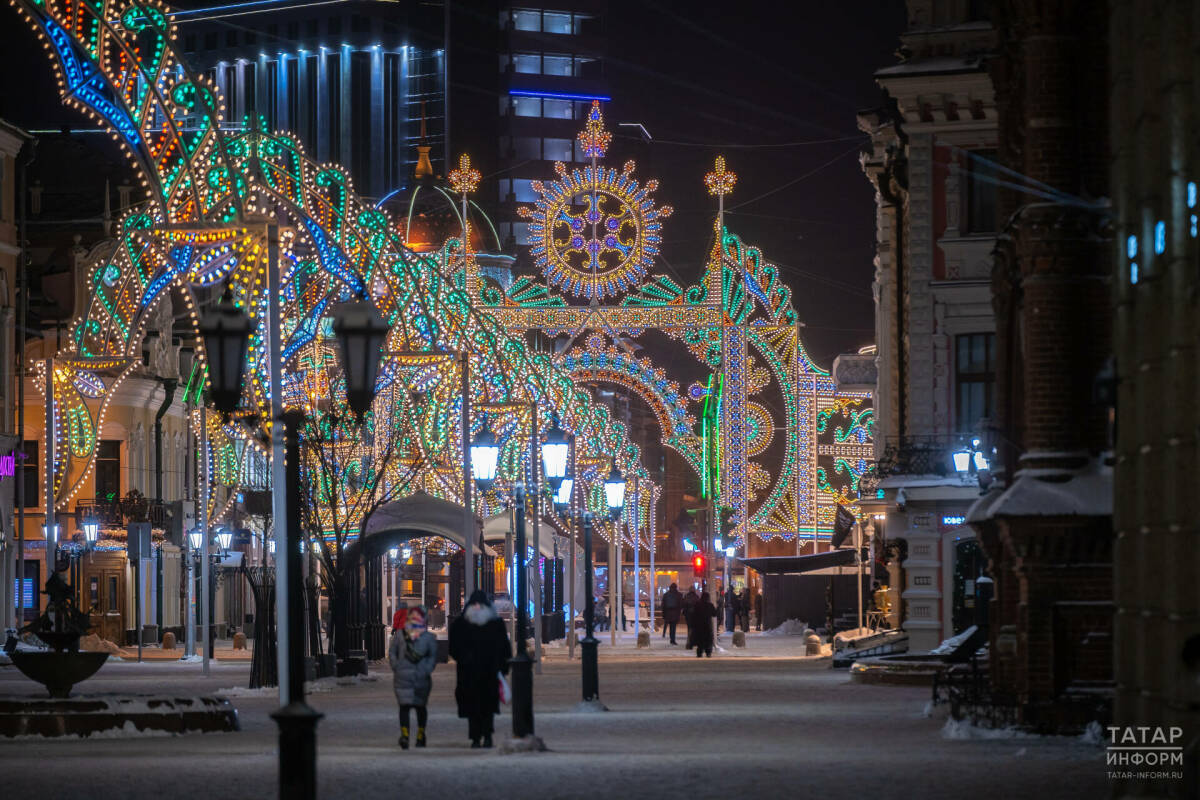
x=708, y=78
x=711, y=73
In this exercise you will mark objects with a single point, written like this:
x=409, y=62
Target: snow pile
x=845, y=637
x=792, y=627
x=964, y=730
x=524, y=744
x=1093, y=735
x=242, y=691
x=950, y=645
x=126, y=731
x=193, y=659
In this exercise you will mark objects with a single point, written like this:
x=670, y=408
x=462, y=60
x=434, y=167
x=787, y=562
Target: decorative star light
x=720, y=181
x=464, y=179
x=594, y=138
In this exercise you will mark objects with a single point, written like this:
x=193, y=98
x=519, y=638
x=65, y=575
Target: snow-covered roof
x=931, y=66
x=1086, y=492
x=920, y=481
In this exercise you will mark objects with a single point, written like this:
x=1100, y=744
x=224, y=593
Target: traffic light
x=698, y=563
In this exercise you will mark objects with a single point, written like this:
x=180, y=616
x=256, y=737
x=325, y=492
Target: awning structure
x=795, y=565
x=417, y=515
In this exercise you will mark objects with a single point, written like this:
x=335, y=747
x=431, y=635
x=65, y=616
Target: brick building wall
x=1046, y=523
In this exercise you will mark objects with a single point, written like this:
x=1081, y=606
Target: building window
x=556, y=65
x=527, y=147
x=108, y=471
x=981, y=192
x=527, y=20
x=553, y=22
x=974, y=378
x=231, y=38
x=557, y=109
x=523, y=189
x=31, y=481
x=112, y=594
x=527, y=106
x=527, y=63
x=558, y=149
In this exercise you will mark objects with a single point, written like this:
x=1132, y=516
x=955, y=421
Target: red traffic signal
x=698, y=562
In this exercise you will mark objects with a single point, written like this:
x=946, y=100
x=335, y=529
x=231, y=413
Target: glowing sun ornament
x=595, y=231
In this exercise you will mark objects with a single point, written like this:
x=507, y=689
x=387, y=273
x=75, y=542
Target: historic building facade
x=12, y=141
x=932, y=152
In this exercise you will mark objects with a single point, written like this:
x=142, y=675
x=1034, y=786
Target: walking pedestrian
x=413, y=657
x=689, y=604
x=744, y=609
x=672, y=605
x=700, y=626
x=758, y=609
x=731, y=608
x=481, y=650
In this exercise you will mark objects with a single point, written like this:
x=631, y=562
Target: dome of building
x=426, y=214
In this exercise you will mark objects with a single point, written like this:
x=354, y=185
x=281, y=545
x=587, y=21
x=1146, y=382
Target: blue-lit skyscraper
x=353, y=79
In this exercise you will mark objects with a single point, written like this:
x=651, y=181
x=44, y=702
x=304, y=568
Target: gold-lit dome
x=427, y=214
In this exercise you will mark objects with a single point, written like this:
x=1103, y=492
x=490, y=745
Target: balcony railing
x=921, y=455
x=120, y=511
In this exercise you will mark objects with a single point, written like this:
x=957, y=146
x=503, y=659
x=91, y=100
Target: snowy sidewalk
x=760, y=727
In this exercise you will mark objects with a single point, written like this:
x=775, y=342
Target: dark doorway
x=108, y=472
x=969, y=562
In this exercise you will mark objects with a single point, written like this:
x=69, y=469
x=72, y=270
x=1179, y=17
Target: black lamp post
x=91, y=531
x=556, y=451
x=360, y=332
x=522, y=665
x=225, y=329
x=614, y=492
x=485, y=456
x=589, y=645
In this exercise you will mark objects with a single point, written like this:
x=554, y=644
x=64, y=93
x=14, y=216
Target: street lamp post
x=522, y=667
x=589, y=645
x=360, y=332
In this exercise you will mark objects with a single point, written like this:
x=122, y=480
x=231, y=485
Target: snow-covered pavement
x=752, y=723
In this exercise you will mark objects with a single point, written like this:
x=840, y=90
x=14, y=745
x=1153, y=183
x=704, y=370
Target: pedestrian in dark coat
x=672, y=607
x=731, y=608
x=689, y=603
x=413, y=657
x=700, y=626
x=758, y=609
x=744, y=609
x=480, y=648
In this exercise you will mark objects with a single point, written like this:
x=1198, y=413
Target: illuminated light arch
x=648, y=382
x=116, y=61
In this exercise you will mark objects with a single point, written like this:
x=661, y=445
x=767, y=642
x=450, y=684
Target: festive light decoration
x=205, y=182
x=720, y=181
x=771, y=430
x=594, y=138
x=464, y=179
x=756, y=437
